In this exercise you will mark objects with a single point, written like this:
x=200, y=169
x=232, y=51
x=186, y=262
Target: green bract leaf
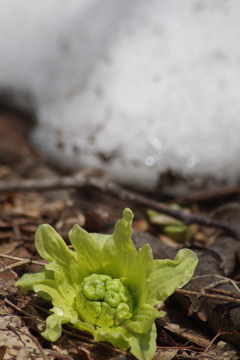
x=179, y=233
x=172, y=227
x=51, y=246
x=88, y=251
x=169, y=275
x=50, y=287
x=143, y=346
x=101, y=239
x=138, y=282
x=118, y=253
x=28, y=281
x=54, y=327
x=142, y=320
x=162, y=219
x=106, y=287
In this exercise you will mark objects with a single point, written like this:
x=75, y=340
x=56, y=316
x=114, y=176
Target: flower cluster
x=106, y=286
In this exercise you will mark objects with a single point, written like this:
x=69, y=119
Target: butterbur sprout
x=106, y=287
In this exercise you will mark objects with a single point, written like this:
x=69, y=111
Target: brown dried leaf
x=166, y=354
x=3, y=349
x=13, y=339
x=4, y=224
x=141, y=225
x=8, y=248
x=168, y=241
x=223, y=351
x=29, y=228
x=5, y=234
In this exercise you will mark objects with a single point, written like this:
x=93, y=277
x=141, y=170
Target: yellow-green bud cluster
x=103, y=301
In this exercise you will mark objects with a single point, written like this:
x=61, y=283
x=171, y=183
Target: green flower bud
x=106, y=318
x=103, y=301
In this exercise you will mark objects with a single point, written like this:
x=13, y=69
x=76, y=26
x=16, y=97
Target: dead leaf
x=23, y=354
x=141, y=225
x=168, y=241
x=5, y=235
x=3, y=349
x=166, y=354
x=9, y=248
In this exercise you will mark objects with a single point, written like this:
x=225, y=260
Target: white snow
x=154, y=84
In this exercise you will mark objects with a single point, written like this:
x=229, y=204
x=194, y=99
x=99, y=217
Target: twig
x=178, y=214
x=22, y=311
x=212, y=285
x=225, y=292
x=213, y=194
x=182, y=347
x=102, y=344
x=4, y=265
x=210, y=296
x=212, y=341
x=83, y=179
x=77, y=180
x=223, y=280
x=21, y=262
x=18, y=258
x=45, y=311
x=183, y=357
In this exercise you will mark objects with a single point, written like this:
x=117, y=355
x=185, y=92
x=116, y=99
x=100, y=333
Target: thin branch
x=225, y=292
x=83, y=179
x=210, y=296
x=212, y=342
x=22, y=311
x=178, y=214
x=213, y=194
x=181, y=347
x=18, y=258
x=4, y=265
x=19, y=263
x=77, y=180
x=224, y=280
x=22, y=261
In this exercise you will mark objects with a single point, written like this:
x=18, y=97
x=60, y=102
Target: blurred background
x=147, y=91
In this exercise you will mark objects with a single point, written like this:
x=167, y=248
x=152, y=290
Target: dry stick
x=22, y=311
x=83, y=179
x=182, y=347
x=224, y=280
x=225, y=292
x=203, y=355
x=77, y=180
x=214, y=194
x=21, y=262
x=178, y=214
x=4, y=266
x=210, y=296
